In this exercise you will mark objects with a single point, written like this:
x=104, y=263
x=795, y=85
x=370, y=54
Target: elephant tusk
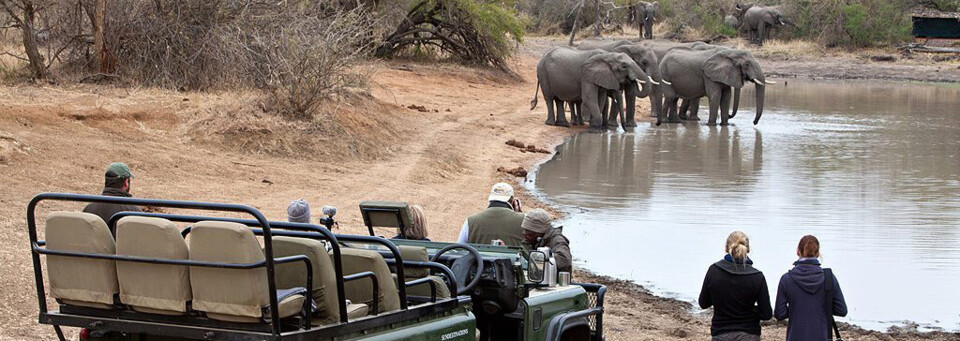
x=652, y=81
x=664, y=81
x=769, y=82
x=758, y=82
x=641, y=81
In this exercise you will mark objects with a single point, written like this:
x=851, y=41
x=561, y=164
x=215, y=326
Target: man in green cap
x=116, y=184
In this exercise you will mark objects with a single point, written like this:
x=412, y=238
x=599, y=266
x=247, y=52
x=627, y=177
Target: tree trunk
x=597, y=23
x=576, y=24
x=99, y=45
x=37, y=68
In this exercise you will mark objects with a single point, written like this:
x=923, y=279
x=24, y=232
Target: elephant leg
x=631, y=111
x=561, y=116
x=590, y=104
x=684, y=107
x=714, y=97
x=615, y=109
x=694, y=110
x=724, y=105
x=551, y=118
x=670, y=109
x=762, y=31
x=575, y=108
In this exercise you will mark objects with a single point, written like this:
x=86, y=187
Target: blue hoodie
x=800, y=298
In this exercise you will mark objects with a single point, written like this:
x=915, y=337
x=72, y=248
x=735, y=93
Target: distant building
x=934, y=27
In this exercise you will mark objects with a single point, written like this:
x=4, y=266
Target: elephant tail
x=533, y=102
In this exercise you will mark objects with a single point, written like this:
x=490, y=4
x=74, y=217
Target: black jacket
x=738, y=293
x=105, y=210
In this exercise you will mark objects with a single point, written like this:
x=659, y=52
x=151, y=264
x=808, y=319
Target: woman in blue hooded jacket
x=802, y=296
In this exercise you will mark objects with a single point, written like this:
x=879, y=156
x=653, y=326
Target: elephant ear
x=596, y=71
x=721, y=69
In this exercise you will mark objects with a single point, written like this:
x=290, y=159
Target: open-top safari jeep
x=141, y=276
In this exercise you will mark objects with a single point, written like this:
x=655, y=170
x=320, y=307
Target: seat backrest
x=359, y=291
x=81, y=281
x=153, y=288
x=293, y=275
x=231, y=292
x=417, y=254
x=384, y=213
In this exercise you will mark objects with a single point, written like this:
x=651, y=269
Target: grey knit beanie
x=537, y=221
x=298, y=211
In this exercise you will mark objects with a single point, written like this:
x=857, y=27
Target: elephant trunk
x=761, y=93
x=648, y=26
x=736, y=102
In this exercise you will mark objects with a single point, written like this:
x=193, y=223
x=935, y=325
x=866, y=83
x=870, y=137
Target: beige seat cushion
x=417, y=254
x=424, y=289
x=231, y=294
x=153, y=288
x=293, y=275
x=288, y=307
x=81, y=281
x=359, y=291
x=354, y=311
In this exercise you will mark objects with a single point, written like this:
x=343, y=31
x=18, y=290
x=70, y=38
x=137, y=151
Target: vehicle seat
x=292, y=275
x=359, y=291
x=153, y=288
x=238, y=295
x=81, y=281
x=419, y=254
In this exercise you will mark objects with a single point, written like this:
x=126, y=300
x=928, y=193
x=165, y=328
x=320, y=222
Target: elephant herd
x=599, y=81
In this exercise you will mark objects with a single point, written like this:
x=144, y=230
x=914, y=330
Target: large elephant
x=758, y=20
x=566, y=74
x=648, y=62
x=712, y=73
x=645, y=16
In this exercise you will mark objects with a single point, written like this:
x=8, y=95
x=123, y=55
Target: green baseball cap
x=118, y=170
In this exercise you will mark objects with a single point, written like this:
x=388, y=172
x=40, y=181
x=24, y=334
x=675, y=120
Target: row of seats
x=238, y=295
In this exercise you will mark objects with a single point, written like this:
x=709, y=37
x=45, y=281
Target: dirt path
x=447, y=127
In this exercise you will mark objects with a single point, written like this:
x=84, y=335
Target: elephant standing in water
x=648, y=62
x=758, y=20
x=645, y=16
x=711, y=73
x=568, y=75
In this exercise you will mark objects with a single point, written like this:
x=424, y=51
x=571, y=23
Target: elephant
x=758, y=20
x=566, y=74
x=712, y=73
x=647, y=60
x=731, y=22
x=645, y=16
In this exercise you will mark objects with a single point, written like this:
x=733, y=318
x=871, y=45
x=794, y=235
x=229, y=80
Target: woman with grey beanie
x=298, y=211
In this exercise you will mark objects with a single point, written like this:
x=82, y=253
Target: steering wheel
x=462, y=268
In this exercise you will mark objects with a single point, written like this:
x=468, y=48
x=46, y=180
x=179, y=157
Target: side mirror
x=538, y=262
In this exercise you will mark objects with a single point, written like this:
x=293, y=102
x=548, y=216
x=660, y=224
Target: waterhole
x=871, y=168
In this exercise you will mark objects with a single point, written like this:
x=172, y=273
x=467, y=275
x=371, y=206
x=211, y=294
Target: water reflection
x=871, y=168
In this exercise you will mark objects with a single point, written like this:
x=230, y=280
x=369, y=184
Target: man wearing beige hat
x=538, y=231
x=499, y=222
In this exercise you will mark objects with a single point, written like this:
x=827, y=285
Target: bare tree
x=24, y=13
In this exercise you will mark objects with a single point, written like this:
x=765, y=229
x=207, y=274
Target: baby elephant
x=569, y=75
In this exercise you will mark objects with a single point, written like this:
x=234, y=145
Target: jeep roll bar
x=269, y=261
x=562, y=322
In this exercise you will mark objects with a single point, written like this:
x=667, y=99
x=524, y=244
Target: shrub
x=475, y=32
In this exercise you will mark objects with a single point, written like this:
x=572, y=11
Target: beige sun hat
x=501, y=192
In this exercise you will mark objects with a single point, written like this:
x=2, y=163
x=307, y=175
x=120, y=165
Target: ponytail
x=809, y=247
x=738, y=246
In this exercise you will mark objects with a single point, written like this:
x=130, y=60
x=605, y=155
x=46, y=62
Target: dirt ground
x=433, y=135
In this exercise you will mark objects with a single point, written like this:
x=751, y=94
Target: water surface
x=871, y=168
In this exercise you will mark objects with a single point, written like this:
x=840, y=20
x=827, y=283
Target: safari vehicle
x=211, y=280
